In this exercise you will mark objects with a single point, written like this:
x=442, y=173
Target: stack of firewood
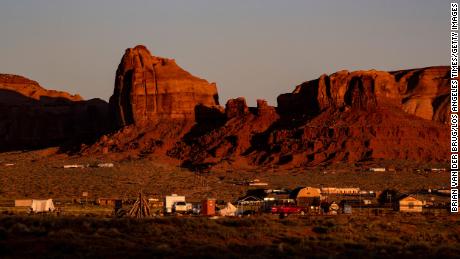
x=140, y=209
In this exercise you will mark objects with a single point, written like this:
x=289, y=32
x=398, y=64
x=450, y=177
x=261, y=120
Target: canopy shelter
x=42, y=205
x=229, y=210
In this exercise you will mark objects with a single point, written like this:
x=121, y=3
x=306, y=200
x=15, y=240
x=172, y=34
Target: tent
x=42, y=205
x=228, y=210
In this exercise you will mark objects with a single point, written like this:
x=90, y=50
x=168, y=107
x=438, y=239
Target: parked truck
x=285, y=210
x=171, y=200
x=182, y=207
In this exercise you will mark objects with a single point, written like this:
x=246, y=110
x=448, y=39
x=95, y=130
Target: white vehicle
x=73, y=166
x=171, y=200
x=182, y=207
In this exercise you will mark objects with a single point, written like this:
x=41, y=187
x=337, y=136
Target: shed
x=410, y=204
x=155, y=203
x=308, y=196
x=23, y=203
x=208, y=207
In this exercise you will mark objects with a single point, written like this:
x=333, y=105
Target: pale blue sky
x=250, y=48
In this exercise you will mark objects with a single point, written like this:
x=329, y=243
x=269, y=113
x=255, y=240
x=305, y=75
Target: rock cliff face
x=33, y=117
x=421, y=92
x=148, y=88
x=425, y=92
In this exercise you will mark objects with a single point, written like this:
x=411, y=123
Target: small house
x=109, y=202
x=155, y=203
x=410, y=204
x=250, y=204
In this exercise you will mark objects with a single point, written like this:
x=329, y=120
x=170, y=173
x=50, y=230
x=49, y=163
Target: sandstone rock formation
x=148, y=88
x=421, y=92
x=158, y=108
x=33, y=117
x=236, y=108
x=229, y=142
x=344, y=117
x=425, y=92
x=263, y=109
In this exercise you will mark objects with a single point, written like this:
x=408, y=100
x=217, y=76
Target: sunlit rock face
x=148, y=88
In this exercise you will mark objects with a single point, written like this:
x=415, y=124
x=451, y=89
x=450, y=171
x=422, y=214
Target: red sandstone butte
x=148, y=88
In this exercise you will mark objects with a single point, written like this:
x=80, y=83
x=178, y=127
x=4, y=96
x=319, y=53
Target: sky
x=257, y=49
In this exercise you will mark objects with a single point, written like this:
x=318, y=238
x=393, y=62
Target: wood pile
x=140, y=208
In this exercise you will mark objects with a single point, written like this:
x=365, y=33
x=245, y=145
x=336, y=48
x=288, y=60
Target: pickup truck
x=287, y=209
x=182, y=207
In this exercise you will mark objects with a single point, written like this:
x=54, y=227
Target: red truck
x=287, y=209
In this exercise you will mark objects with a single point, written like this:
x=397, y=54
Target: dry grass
x=35, y=175
x=418, y=236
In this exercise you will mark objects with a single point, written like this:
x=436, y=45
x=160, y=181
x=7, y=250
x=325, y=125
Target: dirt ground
x=40, y=174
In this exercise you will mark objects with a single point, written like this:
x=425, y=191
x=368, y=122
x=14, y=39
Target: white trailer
x=171, y=200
